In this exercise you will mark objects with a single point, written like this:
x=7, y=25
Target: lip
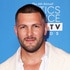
x=30, y=40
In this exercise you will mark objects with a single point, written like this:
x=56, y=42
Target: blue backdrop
x=58, y=13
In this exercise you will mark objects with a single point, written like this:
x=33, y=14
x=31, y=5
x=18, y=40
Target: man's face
x=30, y=29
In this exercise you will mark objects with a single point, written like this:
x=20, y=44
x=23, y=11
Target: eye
x=36, y=26
x=22, y=27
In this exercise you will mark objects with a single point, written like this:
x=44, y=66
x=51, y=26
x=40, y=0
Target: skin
x=30, y=29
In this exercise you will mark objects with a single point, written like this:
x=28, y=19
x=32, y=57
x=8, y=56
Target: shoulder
x=13, y=57
x=8, y=62
x=57, y=51
x=58, y=59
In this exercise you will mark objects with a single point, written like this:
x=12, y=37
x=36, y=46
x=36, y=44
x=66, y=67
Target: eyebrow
x=32, y=24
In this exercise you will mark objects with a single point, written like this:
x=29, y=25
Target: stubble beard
x=31, y=48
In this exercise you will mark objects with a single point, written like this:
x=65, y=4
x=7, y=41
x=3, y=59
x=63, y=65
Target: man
x=34, y=53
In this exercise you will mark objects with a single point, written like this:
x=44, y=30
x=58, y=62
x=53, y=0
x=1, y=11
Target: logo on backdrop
x=53, y=14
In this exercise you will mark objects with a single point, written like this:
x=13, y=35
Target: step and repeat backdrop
x=57, y=12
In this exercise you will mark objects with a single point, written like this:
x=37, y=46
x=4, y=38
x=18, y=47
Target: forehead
x=29, y=17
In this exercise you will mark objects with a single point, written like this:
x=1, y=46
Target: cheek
x=21, y=34
x=39, y=33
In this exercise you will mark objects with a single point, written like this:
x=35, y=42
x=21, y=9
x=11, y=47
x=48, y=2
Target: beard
x=31, y=46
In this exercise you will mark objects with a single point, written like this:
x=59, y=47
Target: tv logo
x=55, y=26
x=53, y=13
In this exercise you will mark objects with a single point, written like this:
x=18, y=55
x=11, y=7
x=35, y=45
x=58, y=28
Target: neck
x=32, y=58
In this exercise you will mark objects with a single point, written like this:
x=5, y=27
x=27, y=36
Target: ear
x=46, y=28
x=15, y=29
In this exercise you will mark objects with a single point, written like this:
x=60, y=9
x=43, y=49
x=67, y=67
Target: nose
x=30, y=31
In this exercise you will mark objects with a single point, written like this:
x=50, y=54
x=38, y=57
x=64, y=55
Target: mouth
x=30, y=39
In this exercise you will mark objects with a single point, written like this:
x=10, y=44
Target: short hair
x=30, y=8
